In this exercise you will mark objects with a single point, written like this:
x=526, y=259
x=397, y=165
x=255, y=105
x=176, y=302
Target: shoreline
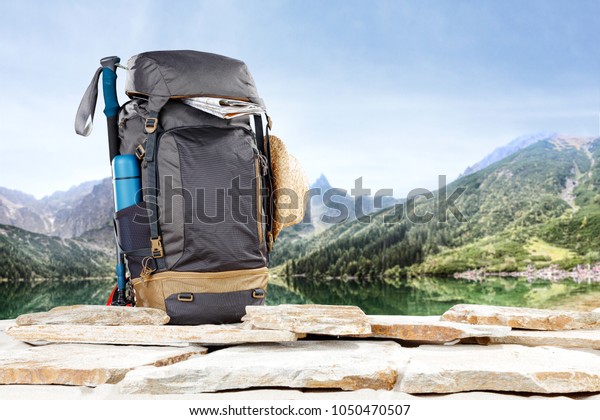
x=582, y=273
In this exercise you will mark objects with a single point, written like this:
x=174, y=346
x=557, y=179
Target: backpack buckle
x=258, y=293
x=185, y=297
x=157, y=248
x=151, y=125
x=140, y=152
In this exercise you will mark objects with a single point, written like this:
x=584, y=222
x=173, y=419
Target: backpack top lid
x=161, y=75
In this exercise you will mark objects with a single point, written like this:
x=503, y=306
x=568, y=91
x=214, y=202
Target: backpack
x=198, y=239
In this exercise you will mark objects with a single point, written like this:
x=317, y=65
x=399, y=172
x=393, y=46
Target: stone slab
x=96, y=315
x=507, y=368
x=7, y=343
x=523, y=318
x=89, y=365
x=586, y=339
x=346, y=365
x=429, y=329
x=147, y=335
x=309, y=319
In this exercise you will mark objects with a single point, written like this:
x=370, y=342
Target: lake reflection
x=418, y=296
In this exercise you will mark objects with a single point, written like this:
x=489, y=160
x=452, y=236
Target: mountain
x=319, y=211
x=64, y=213
x=319, y=215
x=507, y=150
x=68, y=234
x=538, y=206
x=60, y=199
x=29, y=255
x=20, y=209
x=322, y=183
x=92, y=211
x=331, y=204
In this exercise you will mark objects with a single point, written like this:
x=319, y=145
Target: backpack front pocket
x=209, y=199
x=133, y=233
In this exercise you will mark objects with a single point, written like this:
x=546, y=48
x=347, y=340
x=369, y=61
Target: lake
x=417, y=296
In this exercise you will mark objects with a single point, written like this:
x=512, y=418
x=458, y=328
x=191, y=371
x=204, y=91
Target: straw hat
x=290, y=185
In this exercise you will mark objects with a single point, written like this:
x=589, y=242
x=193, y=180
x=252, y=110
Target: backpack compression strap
x=271, y=203
x=151, y=196
x=264, y=148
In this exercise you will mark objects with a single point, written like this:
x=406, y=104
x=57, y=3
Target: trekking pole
x=111, y=103
x=111, y=110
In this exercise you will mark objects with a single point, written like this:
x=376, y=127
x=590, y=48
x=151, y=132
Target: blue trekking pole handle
x=109, y=85
x=111, y=103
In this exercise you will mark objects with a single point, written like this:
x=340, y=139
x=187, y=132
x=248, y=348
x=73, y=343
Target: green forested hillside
x=28, y=255
x=539, y=206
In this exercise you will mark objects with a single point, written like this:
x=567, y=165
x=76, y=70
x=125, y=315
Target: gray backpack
x=197, y=245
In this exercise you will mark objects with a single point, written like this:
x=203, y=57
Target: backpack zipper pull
x=146, y=269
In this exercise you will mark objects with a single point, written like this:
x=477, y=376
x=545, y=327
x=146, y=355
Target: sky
x=396, y=92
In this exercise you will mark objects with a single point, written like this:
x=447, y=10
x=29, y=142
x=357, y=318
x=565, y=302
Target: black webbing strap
x=157, y=251
x=270, y=204
x=262, y=141
x=258, y=127
x=141, y=252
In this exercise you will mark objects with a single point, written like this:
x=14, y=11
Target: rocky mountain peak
x=508, y=149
